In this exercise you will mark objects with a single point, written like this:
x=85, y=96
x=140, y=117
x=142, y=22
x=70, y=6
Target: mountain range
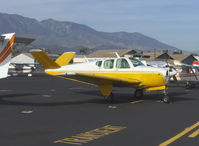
x=59, y=36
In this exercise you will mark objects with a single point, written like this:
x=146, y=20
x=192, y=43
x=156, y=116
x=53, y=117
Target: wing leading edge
x=96, y=79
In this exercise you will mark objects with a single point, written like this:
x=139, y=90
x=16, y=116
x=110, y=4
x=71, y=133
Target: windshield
x=136, y=62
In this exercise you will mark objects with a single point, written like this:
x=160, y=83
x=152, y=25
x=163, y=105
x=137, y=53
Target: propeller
x=171, y=72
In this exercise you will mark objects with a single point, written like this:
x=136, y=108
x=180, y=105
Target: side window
x=135, y=62
x=122, y=63
x=108, y=64
x=99, y=63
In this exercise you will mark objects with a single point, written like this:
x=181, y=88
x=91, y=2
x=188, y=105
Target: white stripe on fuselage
x=92, y=67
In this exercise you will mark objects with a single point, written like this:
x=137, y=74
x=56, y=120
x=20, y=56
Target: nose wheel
x=166, y=98
x=189, y=85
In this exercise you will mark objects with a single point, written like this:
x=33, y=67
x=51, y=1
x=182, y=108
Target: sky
x=174, y=22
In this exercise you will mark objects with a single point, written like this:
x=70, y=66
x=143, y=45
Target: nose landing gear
x=189, y=85
x=165, y=98
x=139, y=95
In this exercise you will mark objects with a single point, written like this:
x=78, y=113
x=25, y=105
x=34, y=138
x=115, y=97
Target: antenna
x=118, y=56
x=86, y=58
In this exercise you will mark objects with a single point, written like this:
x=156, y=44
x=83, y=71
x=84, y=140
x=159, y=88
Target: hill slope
x=63, y=36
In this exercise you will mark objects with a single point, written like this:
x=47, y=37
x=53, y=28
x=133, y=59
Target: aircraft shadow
x=119, y=98
x=17, y=95
x=3, y=101
x=126, y=97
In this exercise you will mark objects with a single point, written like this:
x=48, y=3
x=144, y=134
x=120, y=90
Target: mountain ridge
x=65, y=35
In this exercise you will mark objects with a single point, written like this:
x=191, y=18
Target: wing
x=98, y=79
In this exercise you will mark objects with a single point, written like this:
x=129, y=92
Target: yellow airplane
x=107, y=73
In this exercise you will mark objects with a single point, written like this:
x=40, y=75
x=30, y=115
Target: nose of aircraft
x=172, y=71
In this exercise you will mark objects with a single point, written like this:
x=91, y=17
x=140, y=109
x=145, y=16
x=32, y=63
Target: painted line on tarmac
x=52, y=90
x=26, y=112
x=45, y=95
x=5, y=90
x=187, y=130
x=113, y=107
x=137, y=101
x=89, y=136
x=194, y=134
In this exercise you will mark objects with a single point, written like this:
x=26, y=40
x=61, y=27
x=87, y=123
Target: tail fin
x=47, y=63
x=44, y=60
x=65, y=58
x=6, y=48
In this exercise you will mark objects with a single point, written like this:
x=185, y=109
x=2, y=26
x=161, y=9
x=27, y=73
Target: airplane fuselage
x=151, y=78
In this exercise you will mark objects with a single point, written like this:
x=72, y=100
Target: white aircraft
x=6, y=48
x=21, y=69
x=188, y=74
x=107, y=73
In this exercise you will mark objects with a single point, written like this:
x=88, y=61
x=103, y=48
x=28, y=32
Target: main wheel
x=192, y=85
x=166, y=99
x=109, y=98
x=138, y=93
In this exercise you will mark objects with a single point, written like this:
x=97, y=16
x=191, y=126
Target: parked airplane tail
x=6, y=48
x=65, y=58
x=47, y=63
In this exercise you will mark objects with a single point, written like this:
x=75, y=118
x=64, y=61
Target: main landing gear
x=189, y=85
x=139, y=93
x=109, y=98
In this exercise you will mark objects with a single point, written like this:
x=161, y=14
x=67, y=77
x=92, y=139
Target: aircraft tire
x=29, y=75
x=192, y=85
x=166, y=99
x=188, y=86
x=139, y=93
x=109, y=98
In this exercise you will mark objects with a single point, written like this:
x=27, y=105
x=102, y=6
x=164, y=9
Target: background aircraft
x=18, y=69
x=6, y=48
x=107, y=73
x=188, y=74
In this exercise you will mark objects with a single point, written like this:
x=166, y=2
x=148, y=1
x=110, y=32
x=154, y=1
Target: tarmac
x=49, y=111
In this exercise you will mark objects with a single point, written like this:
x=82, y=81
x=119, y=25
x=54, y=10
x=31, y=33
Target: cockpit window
x=99, y=63
x=108, y=64
x=135, y=61
x=122, y=63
